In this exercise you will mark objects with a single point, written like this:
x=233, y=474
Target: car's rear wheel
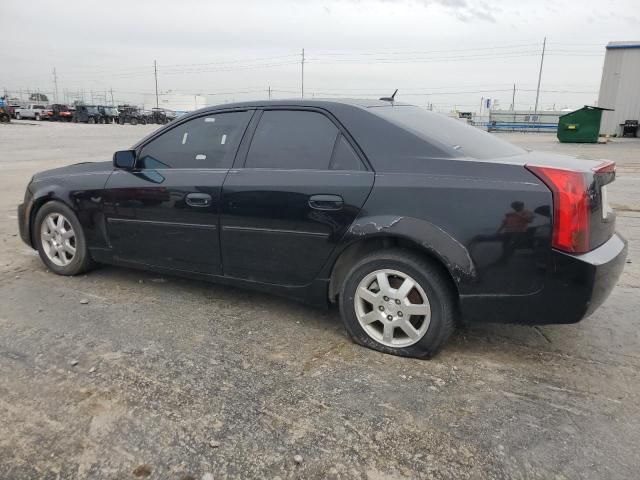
x=18, y=116
x=134, y=121
x=91, y=120
x=60, y=240
x=398, y=302
x=37, y=117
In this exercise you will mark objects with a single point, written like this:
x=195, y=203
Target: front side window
x=204, y=142
x=292, y=140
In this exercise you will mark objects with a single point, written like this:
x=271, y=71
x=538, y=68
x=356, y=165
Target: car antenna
x=391, y=98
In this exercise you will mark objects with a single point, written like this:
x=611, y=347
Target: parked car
x=59, y=112
x=36, y=111
x=87, y=114
x=12, y=109
x=160, y=116
x=132, y=115
x=381, y=207
x=109, y=114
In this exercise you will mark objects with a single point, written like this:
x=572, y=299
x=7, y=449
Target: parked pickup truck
x=37, y=111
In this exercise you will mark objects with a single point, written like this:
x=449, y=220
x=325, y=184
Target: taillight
x=570, y=207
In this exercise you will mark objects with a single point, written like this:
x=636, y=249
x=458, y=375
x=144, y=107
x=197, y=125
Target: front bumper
x=577, y=285
x=24, y=213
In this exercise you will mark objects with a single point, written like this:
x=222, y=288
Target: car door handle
x=326, y=202
x=198, y=199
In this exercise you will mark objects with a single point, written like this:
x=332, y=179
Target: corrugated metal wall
x=620, y=88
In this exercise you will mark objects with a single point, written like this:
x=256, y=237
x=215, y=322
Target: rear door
x=286, y=207
x=165, y=213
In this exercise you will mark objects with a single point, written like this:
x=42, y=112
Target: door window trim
x=243, y=150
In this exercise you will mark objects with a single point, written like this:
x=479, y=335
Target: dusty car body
x=411, y=222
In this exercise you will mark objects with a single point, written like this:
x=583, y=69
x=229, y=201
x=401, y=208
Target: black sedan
x=409, y=220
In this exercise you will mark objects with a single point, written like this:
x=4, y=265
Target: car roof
x=326, y=103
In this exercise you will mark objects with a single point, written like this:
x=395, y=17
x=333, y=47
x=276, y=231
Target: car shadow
x=468, y=340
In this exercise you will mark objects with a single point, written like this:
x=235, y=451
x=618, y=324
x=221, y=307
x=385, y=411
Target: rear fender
x=453, y=255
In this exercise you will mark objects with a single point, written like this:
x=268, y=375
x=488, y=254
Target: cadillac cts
x=409, y=220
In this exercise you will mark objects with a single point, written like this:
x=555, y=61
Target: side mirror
x=125, y=159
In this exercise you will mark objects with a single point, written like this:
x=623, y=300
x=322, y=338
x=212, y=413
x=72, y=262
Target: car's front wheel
x=60, y=240
x=398, y=302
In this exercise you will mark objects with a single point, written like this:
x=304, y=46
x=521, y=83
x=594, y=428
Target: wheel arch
x=378, y=233
x=38, y=203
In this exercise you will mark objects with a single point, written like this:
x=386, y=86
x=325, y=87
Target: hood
x=83, y=168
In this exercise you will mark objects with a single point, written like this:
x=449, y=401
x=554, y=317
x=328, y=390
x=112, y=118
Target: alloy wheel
x=58, y=239
x=392, y=308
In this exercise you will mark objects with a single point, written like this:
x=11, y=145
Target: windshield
x=92, y=109
x=468, y=141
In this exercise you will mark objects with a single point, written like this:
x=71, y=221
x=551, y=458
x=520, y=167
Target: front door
x=299, y=190
x=165, y=212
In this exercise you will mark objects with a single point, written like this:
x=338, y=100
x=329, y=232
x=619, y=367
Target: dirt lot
x=178, y=379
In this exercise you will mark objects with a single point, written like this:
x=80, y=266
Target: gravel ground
x=124, y=374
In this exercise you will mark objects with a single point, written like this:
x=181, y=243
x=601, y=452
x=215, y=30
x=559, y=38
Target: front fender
x=81, y=193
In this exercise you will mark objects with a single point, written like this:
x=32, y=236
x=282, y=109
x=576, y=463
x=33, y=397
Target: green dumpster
x=581, y=126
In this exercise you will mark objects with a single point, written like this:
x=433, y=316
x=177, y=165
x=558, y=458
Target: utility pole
x=55, y=84
x=302, y=64
x=513, y=98
x=112, y=103
x=155, y=73
x=544, y=44
x=269, y=92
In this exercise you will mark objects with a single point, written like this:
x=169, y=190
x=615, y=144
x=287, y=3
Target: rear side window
x=466, y=140
x=204, y=142
x=289, y=139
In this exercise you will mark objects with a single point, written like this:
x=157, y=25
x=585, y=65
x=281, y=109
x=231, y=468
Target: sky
x=447, y=53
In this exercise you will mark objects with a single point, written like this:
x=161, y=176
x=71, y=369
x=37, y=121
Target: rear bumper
x=577, y=285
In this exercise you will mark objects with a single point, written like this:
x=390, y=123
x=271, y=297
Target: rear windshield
x=466, y=140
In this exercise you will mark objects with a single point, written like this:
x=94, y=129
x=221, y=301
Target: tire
x=37, y=117
x=77, y=263
x=133, y=121
x=429, y=332
x=18, y=116
x=91, y=120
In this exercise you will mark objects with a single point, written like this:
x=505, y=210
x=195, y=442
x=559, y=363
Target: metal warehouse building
x=620, y=86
